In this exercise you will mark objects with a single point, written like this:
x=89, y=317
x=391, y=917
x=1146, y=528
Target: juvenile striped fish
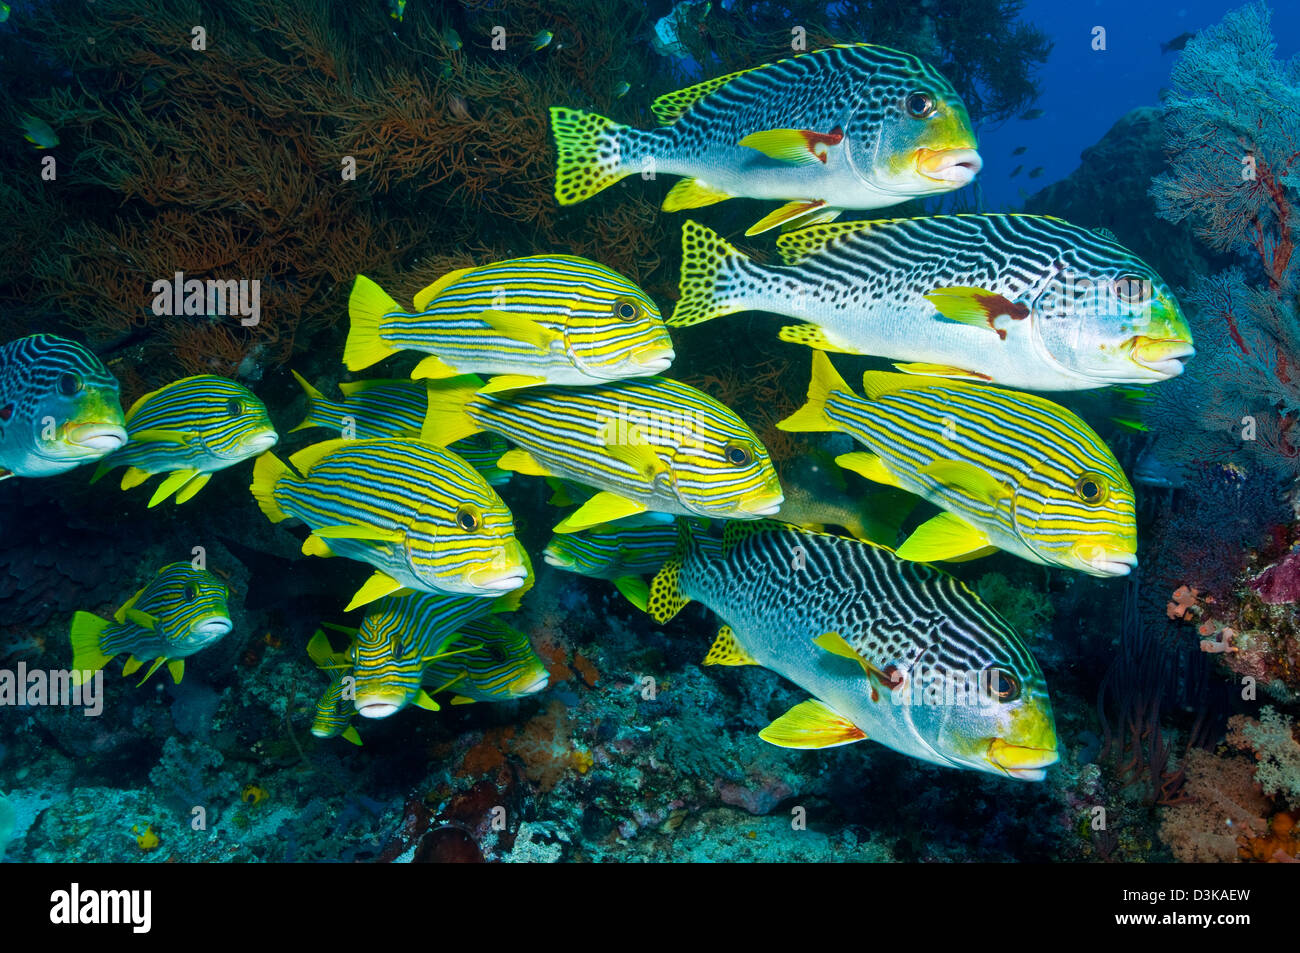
x=189, y=430
x=896, y=652
x=396, y=643
x=394, y=408
x=849, y=127
x=179, y=612
x=1025, y=301
x=623, y=554
x=58, y=407
x=422, y=516
x=649, y=444
x=1011, y=471
x=334, y=710
x=548, y=319
x=488, y=661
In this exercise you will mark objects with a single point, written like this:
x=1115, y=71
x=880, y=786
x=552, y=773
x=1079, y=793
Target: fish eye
x=192, y=592
x=919, y=105
x=1091, y=488
x=69, y=384
x=626, y=310
x=738, y=455
x=1002, y=685
x=467, y=519
x=234, y=408
x=496, y=654
x=1131, y=289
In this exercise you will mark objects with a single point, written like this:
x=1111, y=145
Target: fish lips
x=490, y=579
x=763, y=506
x=1020, y=761
x=379, y=707
x=957, y=167
x=99, y=438
x=1098, y=561
x=656, y=361
x=215, y=628
x=1166, y=357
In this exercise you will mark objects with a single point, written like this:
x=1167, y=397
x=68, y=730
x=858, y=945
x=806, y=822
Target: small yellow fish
x=452, y=39
x=543, y=39
x=148, y=840
x=38, y=132
x=621, y=90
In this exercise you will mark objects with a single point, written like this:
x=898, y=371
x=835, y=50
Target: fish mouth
x=1021, y=761
x=98, y=437
x=763, y=506
x=556, y=560
x=376, y=708
x=213, y=628
x=262, y=441
x=1164, y=356
x=653, y=362
x=535, y=684
x=497, y=580
x=1106, y=562
x=957, y=167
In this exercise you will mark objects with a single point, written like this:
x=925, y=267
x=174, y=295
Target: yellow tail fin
x=586, y=154
x=707, y=262
x=87, y=656
x=367, y=306
x=447, y=419
x=812, y=415
x=666, y=598
x=314, y=399
x=267, y=472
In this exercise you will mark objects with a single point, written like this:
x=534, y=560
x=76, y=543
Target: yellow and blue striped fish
x=624, y=555
x=334, y=711
x=647, y=443
x=548, y=319
x=59, y=407
x=487, y=661
x=398, y=640
x=394, y=408
x=423, y=517
x=190, y=429
x=1012, y=471
x=179, y=612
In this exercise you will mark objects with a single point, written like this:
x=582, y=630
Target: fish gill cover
x=215, y=215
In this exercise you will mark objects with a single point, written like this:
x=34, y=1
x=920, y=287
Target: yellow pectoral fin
x=635, y=589
x=943, y=537
x=433, y=367
x=692, y=193
x=795, y=146
x=790, y=212
x=632, y=448
x=376, y=587
x=315, y=546
x=868, y=465
x=726, y=650
x=171, y=484
x=812, y=724
x=519, y=327
x=504, y=382
x=133, y=477
x=142, y=619
x=604, y=507
x=349, y=531
x=968, y=479
x=835, y=643
x=977, y=307
x=162, y=436
x=942, y=370
x=521, y=461
x=810, y=335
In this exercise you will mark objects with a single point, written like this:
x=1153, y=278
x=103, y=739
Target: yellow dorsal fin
x=521, y=461
x=942, y=537
x=670, y=106
x=868, y=465
x=320, y=651
x=798, y=245
x=376, y=587
x=137, y=404
x=604, y=507
x=692, y=193
x=727, y=651
x=968, y=479
x=522, y=328
x=422, y=299
x=810, y=335
x=308, y=457
x=812, y=724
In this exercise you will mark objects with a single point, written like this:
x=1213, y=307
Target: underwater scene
x=680, y=430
